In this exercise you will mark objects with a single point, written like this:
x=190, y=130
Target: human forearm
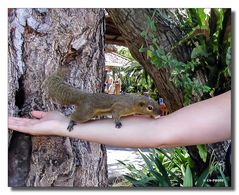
x=136, y=132
x=204, y=122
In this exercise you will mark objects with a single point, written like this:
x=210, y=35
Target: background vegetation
x=174, y=168
x=205, y=74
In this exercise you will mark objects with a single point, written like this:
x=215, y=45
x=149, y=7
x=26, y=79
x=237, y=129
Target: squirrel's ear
x=141, y=104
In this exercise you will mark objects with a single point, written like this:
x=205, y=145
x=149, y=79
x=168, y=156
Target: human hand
x=43, y=123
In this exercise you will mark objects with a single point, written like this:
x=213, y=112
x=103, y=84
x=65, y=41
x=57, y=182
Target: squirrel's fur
x=90, y=105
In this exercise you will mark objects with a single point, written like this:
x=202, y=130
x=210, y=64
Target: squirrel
x=90, y=105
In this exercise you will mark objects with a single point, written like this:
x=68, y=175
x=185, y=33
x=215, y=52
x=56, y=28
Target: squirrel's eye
x=150, y=107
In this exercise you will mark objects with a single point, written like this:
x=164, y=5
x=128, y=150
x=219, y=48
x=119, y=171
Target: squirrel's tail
x=62, y=92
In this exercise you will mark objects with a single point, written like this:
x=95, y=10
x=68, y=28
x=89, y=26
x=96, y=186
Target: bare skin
x=204, y=122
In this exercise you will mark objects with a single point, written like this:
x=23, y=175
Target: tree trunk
x=39, y=41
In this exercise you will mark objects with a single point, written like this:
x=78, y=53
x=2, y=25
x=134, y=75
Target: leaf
x=150, y=23
x=143, y=34
x=181, y=158
x=202, y=16
x=206, y=89
x=202, y=149
x=179, y=180
x=182, y=169
x=228, y=56
x=149, y=54
x=188, y=179
x=147, y=161
x=135, y=182
x=193, y=16
x=199, y=51
x=164, y=58
x=142, y=49
x=155, y=40
x=156, y=62
x=160, y=178
x=223, y=176
x=202, y=179
x=162, y=170
x=121, y=162
x=170, y=158
x=130, y=179
x=159, y=52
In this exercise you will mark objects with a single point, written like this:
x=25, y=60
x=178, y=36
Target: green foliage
x=188, y=178
x=200, y=51
x=210, y=38
x=134, y=77
x=124, y=51
x=202, y=150
x=197, y=17
x=173, y=168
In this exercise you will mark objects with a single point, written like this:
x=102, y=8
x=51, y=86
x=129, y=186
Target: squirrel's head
x=147, y=106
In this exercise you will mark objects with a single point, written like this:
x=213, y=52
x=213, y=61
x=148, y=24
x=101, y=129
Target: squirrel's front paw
x=71, y=125
x=118, y=125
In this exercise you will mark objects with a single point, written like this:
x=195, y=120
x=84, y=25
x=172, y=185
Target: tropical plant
x=174, y=168
x=210, y=37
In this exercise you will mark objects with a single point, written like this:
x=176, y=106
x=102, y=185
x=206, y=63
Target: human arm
x=204, y=122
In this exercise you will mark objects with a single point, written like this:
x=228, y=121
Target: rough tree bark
x=40, y=40
x=129, y=23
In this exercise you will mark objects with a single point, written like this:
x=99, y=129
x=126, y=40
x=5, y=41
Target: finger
x=38, y=114
x=21, y=121
x=17, y=120
x=18, y=127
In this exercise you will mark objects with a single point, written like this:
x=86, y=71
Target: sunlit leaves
x=173, y=168
x=208, y=33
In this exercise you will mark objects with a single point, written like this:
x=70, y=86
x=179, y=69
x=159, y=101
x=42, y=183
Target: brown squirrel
x=90, y=105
